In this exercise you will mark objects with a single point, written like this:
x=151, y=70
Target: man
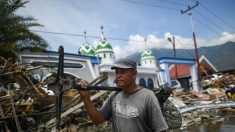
x=134, y=109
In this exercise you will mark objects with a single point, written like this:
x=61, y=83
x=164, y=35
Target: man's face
x=125, y=77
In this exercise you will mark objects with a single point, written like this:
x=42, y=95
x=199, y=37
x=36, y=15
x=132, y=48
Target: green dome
x=87, y=49
x=147, y=54
x=103, y=46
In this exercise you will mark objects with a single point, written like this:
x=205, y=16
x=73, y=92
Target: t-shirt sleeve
x=155, y=118
x=106, y=109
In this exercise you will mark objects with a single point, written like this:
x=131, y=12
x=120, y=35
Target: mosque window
x=150, y=61
x=110, y=55
x=142, y=83
x=145, y=62
x=115, y=81
x=150, y=83
x=104, y=55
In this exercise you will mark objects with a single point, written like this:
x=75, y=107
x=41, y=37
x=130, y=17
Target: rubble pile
x=209, y=104
x=201, y=116
x=27, y=104
x=213, y=90
x=222, y=82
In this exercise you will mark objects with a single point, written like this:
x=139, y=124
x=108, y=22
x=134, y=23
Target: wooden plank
x=76, y=107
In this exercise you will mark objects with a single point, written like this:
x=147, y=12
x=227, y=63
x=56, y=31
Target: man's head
x=126, y=73
x=124, y=63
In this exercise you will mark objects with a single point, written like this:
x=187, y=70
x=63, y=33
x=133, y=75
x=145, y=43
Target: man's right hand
x=83, y=83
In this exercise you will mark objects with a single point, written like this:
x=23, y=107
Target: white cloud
x=136, y=43
x=225, y=37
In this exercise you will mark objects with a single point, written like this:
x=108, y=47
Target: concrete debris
x=201, y=116
x=178, y=102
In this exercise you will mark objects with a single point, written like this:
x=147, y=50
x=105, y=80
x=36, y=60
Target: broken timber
x=76, y=107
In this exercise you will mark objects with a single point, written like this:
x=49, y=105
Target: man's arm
x=93, y=113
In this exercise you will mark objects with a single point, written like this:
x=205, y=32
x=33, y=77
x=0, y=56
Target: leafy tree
x=15, y=33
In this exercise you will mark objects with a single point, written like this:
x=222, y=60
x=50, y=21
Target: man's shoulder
x=146, y=92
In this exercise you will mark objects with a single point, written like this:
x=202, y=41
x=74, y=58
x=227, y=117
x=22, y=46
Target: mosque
x=148, y=73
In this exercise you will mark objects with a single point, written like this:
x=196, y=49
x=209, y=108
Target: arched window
x=150, y=83
x=142, y=83
x=104, y=55
x=115, y=81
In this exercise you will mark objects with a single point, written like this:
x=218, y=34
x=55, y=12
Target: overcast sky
x=127, y=22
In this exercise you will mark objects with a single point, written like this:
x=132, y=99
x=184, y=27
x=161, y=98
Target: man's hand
x=83, y=83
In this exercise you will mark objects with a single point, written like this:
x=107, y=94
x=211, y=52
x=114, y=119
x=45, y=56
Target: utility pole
x=174, y=53
x=189, y=10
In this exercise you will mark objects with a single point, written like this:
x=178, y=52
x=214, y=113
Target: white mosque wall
x=107, y=57
x=151, y=63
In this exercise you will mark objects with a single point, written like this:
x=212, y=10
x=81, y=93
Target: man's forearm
x=94, y=114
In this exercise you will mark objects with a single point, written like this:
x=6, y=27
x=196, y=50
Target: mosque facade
x=148, y=73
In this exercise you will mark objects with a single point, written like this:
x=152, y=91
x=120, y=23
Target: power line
x=184, y=48
x=67, y=34
x=176, y=3
x=205, y=48
x=209, y=20
x=210, y=50
x=206, y=26
x=88, y=36
x=172, y=2
x=150, y=5
x=222, y=20
x=80, y=35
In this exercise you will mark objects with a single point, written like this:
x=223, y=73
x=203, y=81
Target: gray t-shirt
x=135, y=112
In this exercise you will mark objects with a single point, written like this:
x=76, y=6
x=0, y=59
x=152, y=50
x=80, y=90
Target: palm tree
x=15, y=34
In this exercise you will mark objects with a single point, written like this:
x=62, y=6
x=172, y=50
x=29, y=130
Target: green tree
x=15, y=33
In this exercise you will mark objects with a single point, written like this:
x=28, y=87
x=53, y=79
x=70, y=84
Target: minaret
x=86, y=48
x=104, y=50
x=147, y=58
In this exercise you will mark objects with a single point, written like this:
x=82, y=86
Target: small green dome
x=87, y=49
x=103, y=46
x=147, y=54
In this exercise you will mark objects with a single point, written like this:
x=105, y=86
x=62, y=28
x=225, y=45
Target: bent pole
x=60, y=84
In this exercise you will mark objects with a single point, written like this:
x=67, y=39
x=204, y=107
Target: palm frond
x=14, y=29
